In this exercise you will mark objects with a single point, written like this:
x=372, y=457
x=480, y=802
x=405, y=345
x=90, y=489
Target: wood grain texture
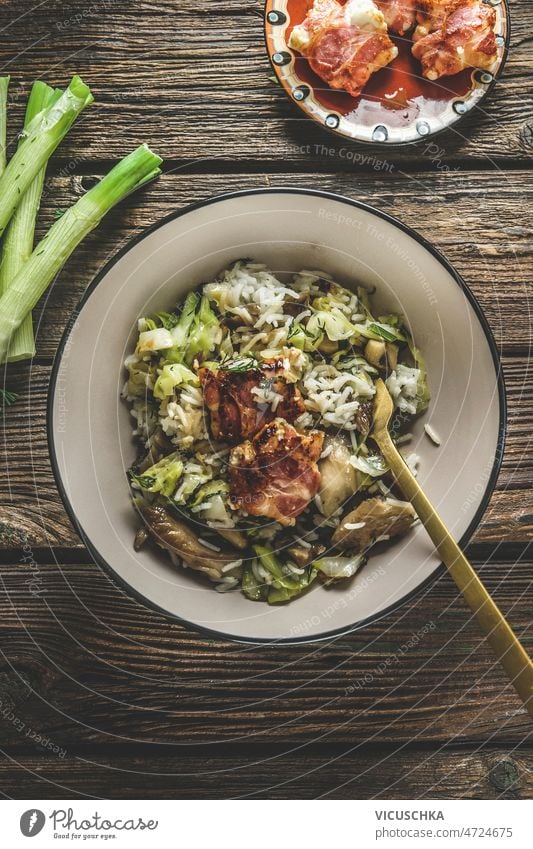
x=85, y=663
x=193, y=79
x=384, y=773
x=31, y=510
x=477, y=221
x=137, y=704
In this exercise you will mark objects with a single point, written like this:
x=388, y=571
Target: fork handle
x=502, y=638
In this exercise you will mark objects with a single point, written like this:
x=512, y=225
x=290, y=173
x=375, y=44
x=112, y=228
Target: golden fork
x=506, y=645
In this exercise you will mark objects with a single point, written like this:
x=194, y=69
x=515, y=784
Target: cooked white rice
x=318, y=330
x=432, y=433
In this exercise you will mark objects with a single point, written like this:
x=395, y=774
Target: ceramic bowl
x=288, y=229
x=397, y=105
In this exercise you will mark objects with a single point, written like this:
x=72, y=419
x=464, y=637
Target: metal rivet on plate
x=301, y=92
x=500, y=40
x=281, y=58
x=380, y=134
x=276, y=18
x=423, y=128
x=332, y=121
x=493, y=2
x=460, y=107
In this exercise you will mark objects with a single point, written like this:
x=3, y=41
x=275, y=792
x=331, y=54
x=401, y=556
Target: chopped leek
x=203, y=332
x=19, y=236
x=346, y=361
x=333, y=323
x=66, y=234
x=423, y=394
x=380, y=330
x=217, y=510
x=277, y=594
x=298, y=336
x=337, y=568
x=251, y=587
x=181, y=331
x=270, y=562
x=141, y=377
x=196, y=332
x=238, y=364
x=153, y=339
x=284, y=585
x=168, y=320
x=171, y=376
x=195, y=475
x=208, y=490
x=162, y=477
x=374, y=465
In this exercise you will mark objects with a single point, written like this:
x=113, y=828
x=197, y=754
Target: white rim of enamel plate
x=277, y=20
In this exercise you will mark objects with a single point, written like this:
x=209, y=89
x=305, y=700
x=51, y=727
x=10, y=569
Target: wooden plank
x=193, y=79
x=85, y=664
x=31, y=510
x=385, y=773
x=471, y=217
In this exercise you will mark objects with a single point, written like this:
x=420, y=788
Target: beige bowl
x=289, y=229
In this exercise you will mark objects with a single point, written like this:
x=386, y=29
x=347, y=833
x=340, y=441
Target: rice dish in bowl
x=253, y=404
x=90, y=427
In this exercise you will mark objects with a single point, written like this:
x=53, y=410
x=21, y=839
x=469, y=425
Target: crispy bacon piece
x=460, y=36
x=275, y=474
x=344, y=45
x=235, y=410
x=400, y=15
x=430, y=16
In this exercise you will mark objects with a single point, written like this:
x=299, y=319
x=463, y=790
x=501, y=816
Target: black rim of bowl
x=386, y=144
x=439, y=570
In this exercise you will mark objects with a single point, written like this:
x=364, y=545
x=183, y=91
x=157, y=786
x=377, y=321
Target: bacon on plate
x=276, y=473
x=430, y=15
x=233, y=399
x=460, y=34
x=400, y=15
x=344, y=45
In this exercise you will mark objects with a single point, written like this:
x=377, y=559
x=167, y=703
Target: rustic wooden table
x=102, y=697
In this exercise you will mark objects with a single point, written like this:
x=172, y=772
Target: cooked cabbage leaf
x=162, y=477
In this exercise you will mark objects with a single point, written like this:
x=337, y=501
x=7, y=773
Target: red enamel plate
x=397, y=105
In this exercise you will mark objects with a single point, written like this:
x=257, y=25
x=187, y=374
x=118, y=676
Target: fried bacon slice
x=233, y=399
x=430, y=16
x=459, y=36
x=276, y=473
x=400, y=15
x=344, y=45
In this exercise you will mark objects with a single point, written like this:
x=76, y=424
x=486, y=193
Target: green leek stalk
x=66, y=234
x=39, y=142
x=19, y=236
x=4, y=85
x=6, y=397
